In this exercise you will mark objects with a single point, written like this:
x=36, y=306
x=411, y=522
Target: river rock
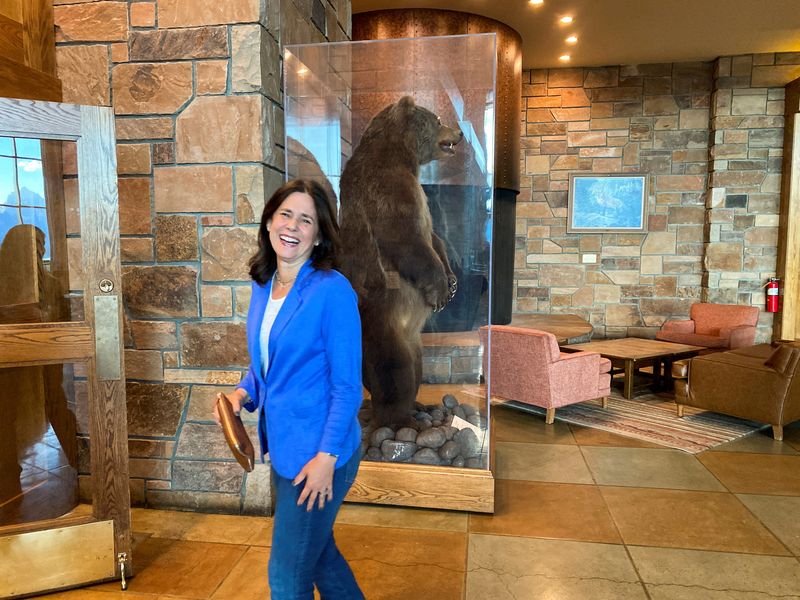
x=458, y=411
x=449, y=401
x=449, y=450
x=426, y=456
x=468, y=442
x=437, y=414
x=374, y=453
x=379, y=435
x=449, y=432
x=458, y=461
x=395, y=451
x=474, y=462
x=406, y=434
x=423, y=416
x=469, y=409
x=431, y=438
x=477, y=420
x=423, y=425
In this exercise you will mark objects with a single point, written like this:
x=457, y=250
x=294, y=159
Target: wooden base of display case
x=424, y=486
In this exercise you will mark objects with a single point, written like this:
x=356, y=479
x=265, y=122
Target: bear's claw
x=453, y=283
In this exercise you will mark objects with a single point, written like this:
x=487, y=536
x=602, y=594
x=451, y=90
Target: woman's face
x=294, y=229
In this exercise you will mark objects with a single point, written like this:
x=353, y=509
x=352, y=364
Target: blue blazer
x=309, y=400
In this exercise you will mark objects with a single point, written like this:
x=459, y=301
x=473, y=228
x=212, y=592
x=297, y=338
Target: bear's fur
x=395, y=262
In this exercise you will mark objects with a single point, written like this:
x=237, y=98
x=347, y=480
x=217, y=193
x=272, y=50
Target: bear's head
x=424, y=130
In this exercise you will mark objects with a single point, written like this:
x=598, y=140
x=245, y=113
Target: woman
x=304, y=339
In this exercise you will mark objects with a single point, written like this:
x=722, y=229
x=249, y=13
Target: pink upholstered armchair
x=527, y=366
x=724, y=326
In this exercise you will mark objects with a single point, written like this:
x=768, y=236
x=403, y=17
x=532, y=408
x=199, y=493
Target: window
x=22, y=195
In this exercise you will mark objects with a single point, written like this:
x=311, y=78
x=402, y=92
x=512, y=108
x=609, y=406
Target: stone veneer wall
x=196, y=89
x=710, y=137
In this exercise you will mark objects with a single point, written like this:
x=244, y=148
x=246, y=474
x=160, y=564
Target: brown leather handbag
x=235, y=434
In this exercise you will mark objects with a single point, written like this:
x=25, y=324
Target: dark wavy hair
x=323, y=256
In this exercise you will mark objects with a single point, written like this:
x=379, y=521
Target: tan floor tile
x=540, y=462
x=510, y=424
x=687, y=519
x=406, y=518
x=791, y=435
x=781, y=515
x=180, y=568
x=695, y=575
x=512, y=568
x=589, y=436
x=405, y=563
x=760, y=442
x=549, y=510
x=649, y=467
x=200, y=527
x=755, y=473
x=248, y=578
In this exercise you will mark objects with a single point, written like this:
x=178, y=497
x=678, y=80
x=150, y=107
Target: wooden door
x=52, y=554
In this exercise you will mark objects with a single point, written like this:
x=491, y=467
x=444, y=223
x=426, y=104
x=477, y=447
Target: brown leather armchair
x=760, y=383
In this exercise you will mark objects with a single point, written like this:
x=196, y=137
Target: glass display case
x=402, y=134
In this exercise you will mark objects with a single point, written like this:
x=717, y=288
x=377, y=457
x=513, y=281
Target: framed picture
x=607, y=203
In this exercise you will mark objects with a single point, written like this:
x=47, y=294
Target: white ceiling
x=621, y=32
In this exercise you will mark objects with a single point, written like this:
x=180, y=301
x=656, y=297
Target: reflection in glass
x=28, y=148
x=38, y=443
x=6, y=146
x=22, y=187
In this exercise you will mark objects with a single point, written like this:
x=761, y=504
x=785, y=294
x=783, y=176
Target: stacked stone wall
x=676, y=123
x=197, y=93
x=743, y=204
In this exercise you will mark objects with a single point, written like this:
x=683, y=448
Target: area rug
x=652, y=418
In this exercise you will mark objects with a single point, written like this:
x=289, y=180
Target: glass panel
x=28, y=148
x=38, y=218
x=43, y=445
x=445, y=135
x=6, y=146
x=8, y=181
x=30, y=179
x=40, y=251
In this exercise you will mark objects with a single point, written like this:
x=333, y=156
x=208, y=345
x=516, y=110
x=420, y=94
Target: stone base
x=446, y=434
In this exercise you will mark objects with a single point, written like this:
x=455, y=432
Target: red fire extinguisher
x=773, y=293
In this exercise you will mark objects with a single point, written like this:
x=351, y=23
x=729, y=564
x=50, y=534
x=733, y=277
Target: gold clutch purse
x=235, y=434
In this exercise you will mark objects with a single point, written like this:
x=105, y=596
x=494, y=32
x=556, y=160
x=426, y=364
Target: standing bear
x=395, y=262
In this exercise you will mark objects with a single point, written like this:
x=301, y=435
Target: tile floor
x=580, y=515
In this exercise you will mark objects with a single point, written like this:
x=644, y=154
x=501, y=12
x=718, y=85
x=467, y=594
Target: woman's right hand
x=237, y=398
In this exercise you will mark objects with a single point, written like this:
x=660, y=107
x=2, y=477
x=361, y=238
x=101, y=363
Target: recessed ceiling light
x=536, y=2
x=564, y=58
x=572, y=39
x=566, y=19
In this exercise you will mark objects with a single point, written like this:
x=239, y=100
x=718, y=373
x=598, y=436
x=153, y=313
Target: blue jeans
x=304, y=553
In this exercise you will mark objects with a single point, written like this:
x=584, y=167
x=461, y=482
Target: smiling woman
x=22, y=189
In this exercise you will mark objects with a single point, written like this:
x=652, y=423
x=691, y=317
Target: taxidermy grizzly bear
x=395, y=262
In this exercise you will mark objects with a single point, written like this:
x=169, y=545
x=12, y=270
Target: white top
x=270, y=313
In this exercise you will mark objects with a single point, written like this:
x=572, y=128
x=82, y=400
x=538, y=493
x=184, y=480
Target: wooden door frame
x=787, y=324
x=92, y=128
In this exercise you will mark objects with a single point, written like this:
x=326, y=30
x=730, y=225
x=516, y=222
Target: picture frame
x=607, y=203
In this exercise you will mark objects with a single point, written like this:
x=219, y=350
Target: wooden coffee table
x=568, y=328
x=630, y=354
